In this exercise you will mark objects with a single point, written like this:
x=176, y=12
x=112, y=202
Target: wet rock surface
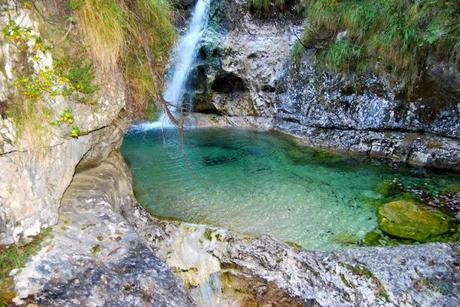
x=366, y=114
x=414, y=275
x=241, y=61
x=107, y=250
x=94, y=256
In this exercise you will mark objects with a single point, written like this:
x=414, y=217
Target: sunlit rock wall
x=36, y=169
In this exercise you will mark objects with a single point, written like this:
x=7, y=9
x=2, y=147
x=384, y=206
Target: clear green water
x=261, y=183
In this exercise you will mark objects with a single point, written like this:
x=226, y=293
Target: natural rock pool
x=264, y=183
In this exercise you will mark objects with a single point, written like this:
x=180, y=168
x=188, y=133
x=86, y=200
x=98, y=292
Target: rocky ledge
x=417, y=275
x=246, y=75
x=94, y=257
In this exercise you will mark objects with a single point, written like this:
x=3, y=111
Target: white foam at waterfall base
x=184, y=56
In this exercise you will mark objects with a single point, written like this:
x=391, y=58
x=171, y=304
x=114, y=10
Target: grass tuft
x=264, y=7
x=113, y=33
x=102, y=24
x=391, y=38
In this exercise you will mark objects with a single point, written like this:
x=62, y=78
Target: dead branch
x=179, y=123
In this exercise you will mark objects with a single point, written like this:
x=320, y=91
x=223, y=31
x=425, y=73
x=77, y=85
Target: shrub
x=113, y=32
x=388, y=37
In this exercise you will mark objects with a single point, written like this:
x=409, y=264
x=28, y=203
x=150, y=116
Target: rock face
x=408, y=220
x=36, y=171
x=94, y=257
x=241, y=61
x=365, y=114
x=106, y=250
x=388, y=276
x=246, y=70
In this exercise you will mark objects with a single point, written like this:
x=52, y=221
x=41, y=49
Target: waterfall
x=209, y=294
x=184, y=56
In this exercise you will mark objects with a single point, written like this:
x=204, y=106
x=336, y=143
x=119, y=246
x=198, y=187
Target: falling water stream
x=182, y=61
x=184, y=56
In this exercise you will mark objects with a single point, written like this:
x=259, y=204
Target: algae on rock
x=409, y=220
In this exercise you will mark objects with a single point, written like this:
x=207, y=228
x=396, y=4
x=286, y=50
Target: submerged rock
x=212, y=161
x=408, y=220
x=389, y=188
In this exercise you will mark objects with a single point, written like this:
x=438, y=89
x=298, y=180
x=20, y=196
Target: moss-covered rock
x=409, y=220
x=372, y=238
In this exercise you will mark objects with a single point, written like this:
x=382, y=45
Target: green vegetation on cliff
x=392, y=38
x=89, y=40
x=116, y=33
x=35, y=83
x=264, y=5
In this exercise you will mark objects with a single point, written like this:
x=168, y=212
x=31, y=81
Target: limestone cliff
x=38, y=153
x=247, y=75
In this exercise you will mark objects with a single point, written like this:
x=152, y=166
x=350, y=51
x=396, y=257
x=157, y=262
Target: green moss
x=345, y=281
x=372, y=238
x=409, y=220
x=432, y=284
x=208, y=234
x=347, y=238
x=95, y=250
x=362, y=271
x=15, y=257
x=452, y=188
x=294, y=245
x=389, y=188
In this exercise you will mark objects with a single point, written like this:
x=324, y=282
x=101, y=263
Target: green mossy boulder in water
x=409, y=220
